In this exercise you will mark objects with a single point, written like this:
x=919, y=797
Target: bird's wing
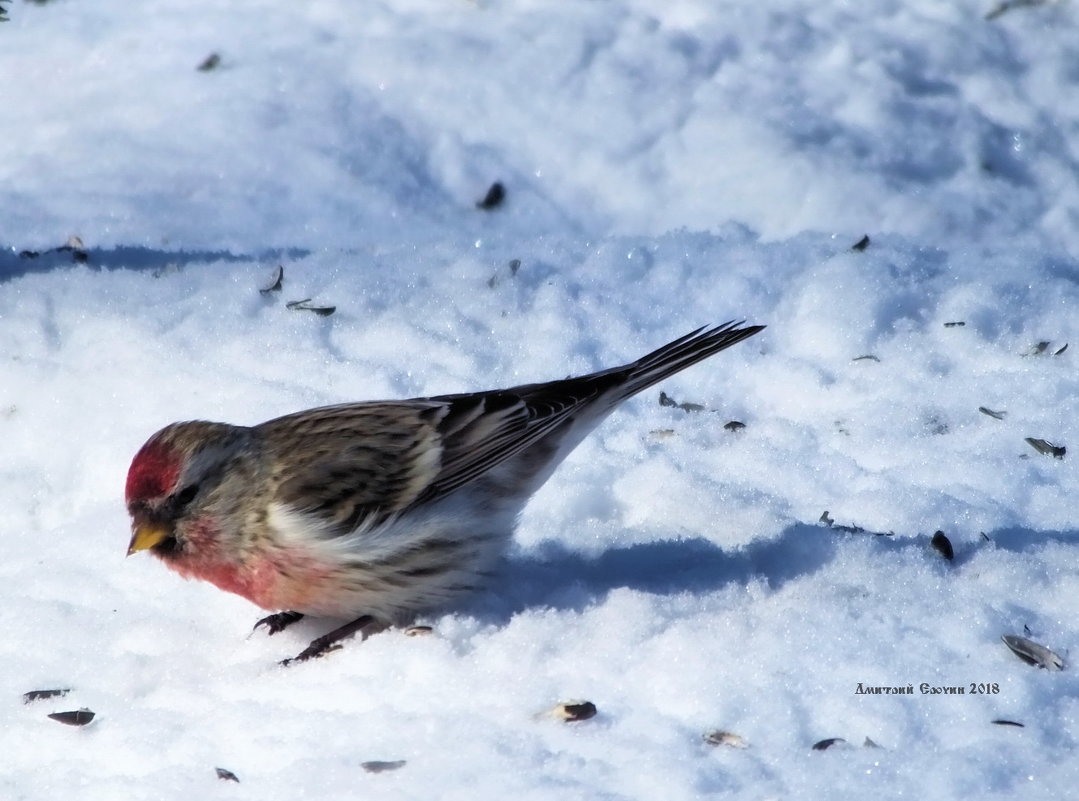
x=359, y=462
x=345, y=463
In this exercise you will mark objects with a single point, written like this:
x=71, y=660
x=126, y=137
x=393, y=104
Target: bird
x=374, y=511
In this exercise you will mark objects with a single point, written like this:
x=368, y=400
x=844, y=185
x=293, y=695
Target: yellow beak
x=147, y=535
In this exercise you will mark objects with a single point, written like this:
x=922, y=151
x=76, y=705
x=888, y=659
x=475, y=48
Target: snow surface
x=667, y=165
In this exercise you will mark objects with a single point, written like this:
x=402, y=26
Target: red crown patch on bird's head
x=153, y=472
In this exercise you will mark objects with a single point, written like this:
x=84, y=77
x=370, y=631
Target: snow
x=666, y=166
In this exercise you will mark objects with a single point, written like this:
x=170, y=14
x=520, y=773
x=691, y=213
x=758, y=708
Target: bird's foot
x=366, y=625
x=278, y=621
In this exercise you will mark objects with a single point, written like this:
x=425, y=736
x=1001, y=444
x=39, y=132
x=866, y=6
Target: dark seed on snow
x=943, y=545
x=1008, y=723
x=78, y=717
x=995, y=415
x=824, y=745
x=380, y=766
x=861, y=244
x=573, y=711
x=494, y=197
x=227, y=775
x=734, y=425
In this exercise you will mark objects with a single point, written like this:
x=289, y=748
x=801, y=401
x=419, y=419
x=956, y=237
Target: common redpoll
x=372, y=511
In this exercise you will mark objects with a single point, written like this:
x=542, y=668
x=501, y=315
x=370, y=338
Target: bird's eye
x=186, y=495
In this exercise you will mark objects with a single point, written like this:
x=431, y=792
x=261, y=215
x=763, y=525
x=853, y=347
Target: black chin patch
x=169, y=546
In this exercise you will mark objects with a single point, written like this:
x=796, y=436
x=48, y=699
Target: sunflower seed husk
x=275, y=282
x=40, y=695
x=381, y=766
x=824, y=745
x=227, y=775
x=305, y=305
x=1046, y=448
x=1032, y=653
x=574, y=711
x=995, y=415
x=719, y=737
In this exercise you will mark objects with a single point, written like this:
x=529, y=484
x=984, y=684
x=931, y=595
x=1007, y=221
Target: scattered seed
x=573, y=711
x=1009, y=723
x=418, y=631
x=1046, y=448
x=78, y=717
x=494, y=197
x=305, y=305
x=211, y=62
x=662, y=433
x=1037, y=348
x=955, y=324
x=830, y=522
x=379, y=766
x=227, y=775
x=824, y=745
x=943, y=545
x=861, y=244
x=986, y=537
x=734, y=425
x=867, y=357
x=870, y=744
x=1008, y=5
x=720, y=737
x=667, y=400
x=515, y=265
x=1032, y=653
x=276, y=282
x=74, y=246
x=995, y=415
x=1061, y=350
x=39, y=695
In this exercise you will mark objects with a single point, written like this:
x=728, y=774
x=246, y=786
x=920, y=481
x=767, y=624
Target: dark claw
x=365, y=625
x=279, y=621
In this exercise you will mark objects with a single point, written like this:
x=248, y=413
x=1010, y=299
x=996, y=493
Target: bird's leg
x=279, y=621
x=365, y=624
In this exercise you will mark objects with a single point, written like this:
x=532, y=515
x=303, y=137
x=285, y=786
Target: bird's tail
x=680, y=354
